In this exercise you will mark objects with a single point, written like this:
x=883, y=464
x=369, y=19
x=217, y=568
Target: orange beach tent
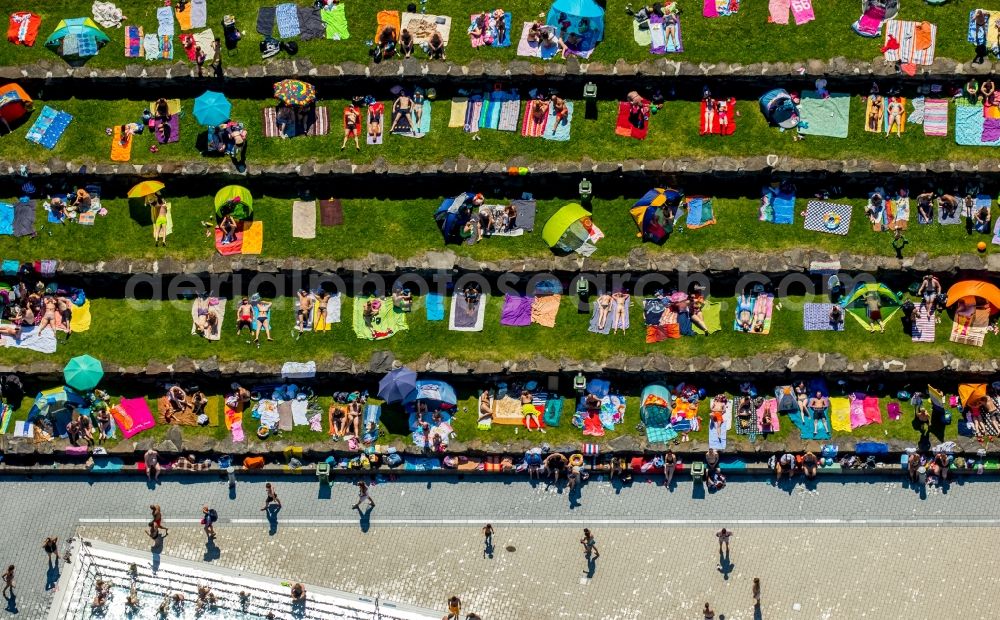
x=977, y=289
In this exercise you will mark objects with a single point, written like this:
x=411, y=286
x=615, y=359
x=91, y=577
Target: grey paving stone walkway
x=427, y=523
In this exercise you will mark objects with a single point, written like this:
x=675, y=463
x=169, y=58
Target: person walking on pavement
x=51, y=547
x=8, y=581
x=488, y=535
x=454, y=608
x=723, y=535
x=210, y=516
x=709, y=612
x=589, y=545
x=755, y=591
x=271, y=498
x=157, y=518
x=363, y=495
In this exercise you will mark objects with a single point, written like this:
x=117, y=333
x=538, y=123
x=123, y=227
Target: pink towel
x=779, y=11
x=893, y=410
x=768, y=410
x=710, y=10
x=858, y=413
x=802, y=11
x=873, y=415
x=237, y=430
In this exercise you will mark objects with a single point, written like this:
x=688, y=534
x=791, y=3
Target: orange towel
x=253, y=238
x=183, y=17
x=387, y=18
x=119, y=151
x=673, y=330
x=922, y=36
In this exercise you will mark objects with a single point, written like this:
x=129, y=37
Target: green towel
x=712, y=314
x=385, y=325
x=336, y=23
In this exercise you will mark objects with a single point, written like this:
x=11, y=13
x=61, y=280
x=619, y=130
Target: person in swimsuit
x=435, y=48
x=400, y=109
x=621, y=311
x=471, y=293
x=337, y=419
x=49, y=314
x=263, y=322
x=697, y=298
x=375, y=122
x=818, y=405
x=709, y=120
x=304, y=310
x=603, y=310
x=895, y=112
x=875, y=113
x=529, y=412
x=160, y=223
x=228, y=227
x=418, y=110
x=354, y=412
x=352, y=127
x=539, y=111
x=560, y=111
x=244, y=316
x=177, y=398
x=406, y=43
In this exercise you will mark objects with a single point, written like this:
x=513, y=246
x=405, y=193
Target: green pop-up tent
x=571, y=230
x=857, y=304
x=234, y=200
x=76, y=40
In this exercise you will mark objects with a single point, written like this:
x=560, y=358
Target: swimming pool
x=157, y=576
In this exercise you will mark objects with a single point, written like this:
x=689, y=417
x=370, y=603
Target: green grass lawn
x=132, y=333
x=673, y=134
x=120, y=235
x=705, y=40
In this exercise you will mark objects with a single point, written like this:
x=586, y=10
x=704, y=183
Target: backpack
x=291, y=47
x=213, y=516
x=269, y=47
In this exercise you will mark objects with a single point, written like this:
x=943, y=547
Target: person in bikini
x=621, y=311
x=603, y=310
x=374, y=122
x=263, y=322
x=895, y=112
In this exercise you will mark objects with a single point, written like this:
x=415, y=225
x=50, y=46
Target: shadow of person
x=757, y=613
x=232, y=492
x=272, y=518
x=52, y=575
x=12, y=603
x=366, y=519
x=157, y=546
x=725, y=566
x=212, y=551
x=591, y=566
x=488, y=550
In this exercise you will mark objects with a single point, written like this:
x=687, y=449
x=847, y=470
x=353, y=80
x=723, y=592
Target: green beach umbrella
x=83, y=373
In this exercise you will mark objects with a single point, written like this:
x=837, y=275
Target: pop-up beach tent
x=77, y=39
x=584, y=18
x=779, y=109
x=649, y=213
x=15, y=104
x=570, y=229
x=857, y=304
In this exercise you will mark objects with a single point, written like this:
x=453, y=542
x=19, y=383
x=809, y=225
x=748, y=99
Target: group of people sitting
x=206, y=315
x=789, y=465
x=68, y=206
x=542, y=106
x=93, y=426
x=680, y=311
x=29, y=302
x=390, y=43
x=984, y=93
x=345, y=418
x=551, y=41
x=310, y=308
x=183, y=403
x=229, y=138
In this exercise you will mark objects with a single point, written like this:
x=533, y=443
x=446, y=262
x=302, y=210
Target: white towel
x=333, y=308
x=268, y=410
x=299, y=409
x=298, y=370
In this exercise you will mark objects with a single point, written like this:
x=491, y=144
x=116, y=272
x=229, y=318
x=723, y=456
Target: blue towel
x=165, y=21
x=6, y=218
x=806, y=428
x=287, y=17
x=48, y=127
x=10, y=267
x=435, y=307
x=817, y=385
x=561, y=132
x=784, y=208
x=871, y=447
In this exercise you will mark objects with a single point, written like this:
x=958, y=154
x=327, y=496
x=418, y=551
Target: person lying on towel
x=472, y=295
x=638, y=113
x=560, y=111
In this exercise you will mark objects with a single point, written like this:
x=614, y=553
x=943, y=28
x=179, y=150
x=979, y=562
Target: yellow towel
x=840, y=414
x=386, y=18
x=459, y=108
x=319, y=320
x=253, y=238
x=173, y=105
x=80, y=322
x=183, y=17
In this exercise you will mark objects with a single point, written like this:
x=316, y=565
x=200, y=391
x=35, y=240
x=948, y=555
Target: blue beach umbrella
x=212, y=108
x=397, y=384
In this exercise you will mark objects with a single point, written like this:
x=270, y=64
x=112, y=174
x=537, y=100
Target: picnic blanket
x=720, y=8
x=133, y=416
x=466, y=319
x=776, y=206
x=422, y=27
x=828, y=217
x=625, y=127
x=335, y=20
x=760, y=308
x=936, y=118
x=816, y=318
x=924, y=325
x=331, y=212
x=973, y=127
x=405, y=127
x=612, y=321
x=700, y=212
x=492, y=38
x=253, y=238
x=48, y=127
x=385, y=324
x=801, y=10
x=287, y=17
x=557, y=130
x=531, y=128
x=544, y=309
x=711, y=124
x=169, y=131
x=119, y=151
x=971, y=329
x=165, y=21
x=23, y=224
x=32, y=339
x=304, y=219
x=133, y=42
x=916, y=42
x=665, y=34
x=824, y=117
x=217, y=305
x=375, y=111
x=516, y=311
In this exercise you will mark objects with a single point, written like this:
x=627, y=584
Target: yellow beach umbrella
x=145, y=189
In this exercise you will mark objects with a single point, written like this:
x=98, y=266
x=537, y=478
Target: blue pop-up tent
x=779, y=109
x=452, y=216
x=584, y=18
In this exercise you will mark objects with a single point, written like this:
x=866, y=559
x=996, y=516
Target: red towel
x=625, y=128
x=656, y=333
x=188, y=43
x=592, y=425
x=233, y=248
x=23, y=28
x=717, y=128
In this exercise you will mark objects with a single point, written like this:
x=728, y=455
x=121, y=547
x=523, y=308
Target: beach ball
x=981, y=246
x=512, y=171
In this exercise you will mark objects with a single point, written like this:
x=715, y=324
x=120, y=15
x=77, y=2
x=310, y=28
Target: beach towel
x=311, y=24
x=516, y=311
x=183, y=17
x=158, y=47
x=253, y=238
x=711, y=314
x=641, y=35
x=720, y=8
x=422, y=27
x=777, y=207
x=133, y=416
x=32, y=339
x=6, y=218
x=874, y=114
x=700, y=212
x=717, y=430
x=119, y=151
x=385, y=324
x=824, y=117
x=466, y=319
x=405, y=129
x=287, y=17
x=133, y=42
x=230, y=248
x=335, y=21
x=205, y=40
x=492, y=38
x=936, y=118
x=916, y=42
x=767, y=416
x=331, y=212
x=840, y=414
x=169, y=131
x=165, y=21
x=972, y=129
x=924, y=325
x=216, y=305
x=760, y=308
x=473, y=110
x=530, y=127
x=386, y=18
x=971, y=329
x=778, y=11
x=170, y=219
x=489, y=114
x=199, y=13
x=806, y=426
x=435, y=307
x=558, y=130
x=459, y=111
x=23, y=223
x=319, y=125
x=544, y=309
x=23, y=28
x=285, y=420
x=816, y=318
x=304, y=219
x=610, y=322
x=187, y=44
x=828, y=217
x=510, y=108
x=873, y=414
x=802, y=11
x=916, y=116
x=624, y=126
x=265, y=20
x=376, y=111
x=711, y=124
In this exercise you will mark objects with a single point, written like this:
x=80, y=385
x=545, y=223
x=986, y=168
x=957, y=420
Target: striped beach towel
x=472, y=113
x=936, y=117
x=917, y=41
x=923, y=325
x=530, y=128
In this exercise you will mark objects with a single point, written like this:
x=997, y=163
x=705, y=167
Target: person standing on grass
x=363, y=495
x=157, y=517
x=589, y=545
x=8, y=581
x=723, y=535
x=208, y=519
x=271, y=498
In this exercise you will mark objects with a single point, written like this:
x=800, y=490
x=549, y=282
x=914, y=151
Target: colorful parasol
x=294, y=92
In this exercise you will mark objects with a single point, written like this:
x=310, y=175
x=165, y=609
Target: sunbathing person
x=337, y=419
x=930, y=287
x=479, y=29
x=49, y=315
x=435, y=47
x=303, y=312
x=670, y=24
x=972, y=90
x=948, y=205
x=10, y=330
x=603, y=310
x=370, y=311
x=228, y=227
x=530, y=412
x=352, y=127
x=354, y=413
x=402, y=300
x=875, y=113
x=472, y=295
x=177, y=398
x=244, y=316
x=560, y=111
x=127, y=131
x=160, y=223
x=554, y=464
x=535, y=32
x=818, y=405
x=284, y=119
x=539, y=111
x=374, y=122
x=400, y=109
x=263, y=322
x=698, y=302
x=418, y=108
x=161, y=110
x=207, y=323
x=895, y=113
x=387, y=40
x=485, y=406
x=925, y=207
x=57, y=208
